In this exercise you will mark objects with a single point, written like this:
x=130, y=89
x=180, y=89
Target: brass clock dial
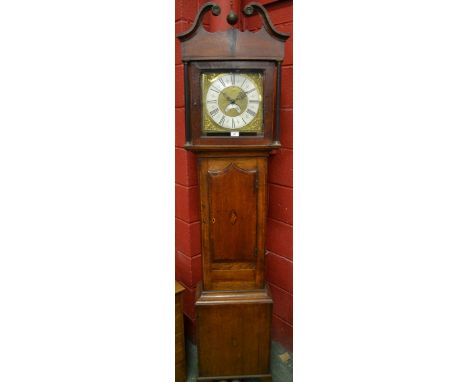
x=232, y=101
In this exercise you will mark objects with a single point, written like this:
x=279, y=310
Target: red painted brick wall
x=279, y=258
x=187, y=215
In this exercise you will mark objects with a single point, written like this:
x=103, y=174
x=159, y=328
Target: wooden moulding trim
x=220, y=276
x=224, y=377
x=232, y=147
x=233, y=154
x=217, y=297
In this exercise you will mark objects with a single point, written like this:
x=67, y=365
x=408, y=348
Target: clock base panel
x=233, y=334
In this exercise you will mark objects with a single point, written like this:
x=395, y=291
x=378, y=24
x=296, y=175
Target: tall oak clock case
x=232, y=83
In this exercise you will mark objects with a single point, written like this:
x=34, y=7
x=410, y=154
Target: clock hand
x=240, y=96
x=228, y=98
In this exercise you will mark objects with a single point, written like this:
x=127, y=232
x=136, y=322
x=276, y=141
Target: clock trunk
x=233, y=204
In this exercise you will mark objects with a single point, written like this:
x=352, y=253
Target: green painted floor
x=281, y=363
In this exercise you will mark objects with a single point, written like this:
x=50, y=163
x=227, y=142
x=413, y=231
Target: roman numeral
x=215, y=89
x=214, y=112
x=212, y=101
x=251, y=112
x=233, y=124
x=253, y=101
x=245, y=79
x=233, y=78
x=248, y=91
x=243, y=120
x=221, y=120
x=222, y=82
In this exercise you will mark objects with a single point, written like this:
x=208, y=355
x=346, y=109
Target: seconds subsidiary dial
x=233, y=101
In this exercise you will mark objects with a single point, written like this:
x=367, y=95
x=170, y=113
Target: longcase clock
x=232, y=85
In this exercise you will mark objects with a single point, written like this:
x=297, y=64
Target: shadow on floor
x=281, y=363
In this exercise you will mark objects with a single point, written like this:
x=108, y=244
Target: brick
x=279, y=271
x=288, y=51
x=185, y=168
x=286, y=132
x=286, y=28
x=263, y=2
x=187, y=203
x=196, y=270
x=287, y=87
x=281, y=168
x=280, y=12
x=253, y=23
x=288, y=45
x=179, y=86
x=282, y=304
x=280, y=203
x=279, y=238
x=186, y=9
x=187, y=238
x=178, y=52
x=183, y=270
x=188, y=269
x=180, y=127
x=178, y=9
x=282, y=332
x=181, y=26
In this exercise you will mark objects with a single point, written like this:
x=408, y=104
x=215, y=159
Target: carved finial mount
x=232, y=18
x=249, y=10
x=215, y=10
